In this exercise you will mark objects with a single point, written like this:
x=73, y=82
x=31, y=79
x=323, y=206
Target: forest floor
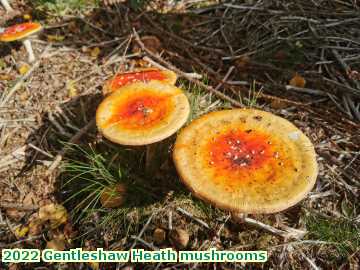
x=298, y=59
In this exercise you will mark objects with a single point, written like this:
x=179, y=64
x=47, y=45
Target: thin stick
x=186, y=213
x=18, y=206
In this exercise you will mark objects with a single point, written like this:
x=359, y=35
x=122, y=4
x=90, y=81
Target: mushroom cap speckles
x=139, y=75
x=142, y=113
x=244, y=160
x=19, y=31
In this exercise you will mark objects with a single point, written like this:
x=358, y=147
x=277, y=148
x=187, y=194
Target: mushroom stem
x=31, y=56
x=6, y=5
x=149, y=158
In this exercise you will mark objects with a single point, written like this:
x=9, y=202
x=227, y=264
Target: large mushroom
x=21, y=32
x=139, y=75
x=246, y=161
x=142, y=114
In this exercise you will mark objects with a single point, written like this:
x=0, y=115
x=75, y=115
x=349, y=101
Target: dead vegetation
x=298, y=59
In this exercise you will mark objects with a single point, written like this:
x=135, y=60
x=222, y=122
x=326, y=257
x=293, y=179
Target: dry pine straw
x=40, y=113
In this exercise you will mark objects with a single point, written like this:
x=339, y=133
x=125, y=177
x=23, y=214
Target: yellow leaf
x=21, y=231
x=27, y=17
x=72, y=91
x=297, y=81
x=23, y=69
x=95, y=52
x=93, y=265
x=55, y=38
x=55, y=213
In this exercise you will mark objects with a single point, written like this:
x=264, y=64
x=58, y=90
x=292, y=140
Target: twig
x=186, y=213
x=18, y=206
x=152, y=62
x=312, y=264
x=147, y=244
x=73, y=140
x=290, y=233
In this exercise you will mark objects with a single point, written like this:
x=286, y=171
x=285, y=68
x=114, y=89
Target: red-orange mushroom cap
x=246, y=160
x=139, y=75
x=21, y=32
x=142, y=113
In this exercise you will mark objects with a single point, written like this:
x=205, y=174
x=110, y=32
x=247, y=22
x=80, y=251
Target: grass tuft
x=342, y=233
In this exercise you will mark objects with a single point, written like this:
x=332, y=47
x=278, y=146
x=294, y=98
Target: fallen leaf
x=55, y=38
x=15, y=214
x=27, y=17
x=113, y=196
x=6, y=77
x=73, y=27
x=72, y=91
x=152, y=43
x=278, y=104
x=56, y=214
x=179, y=238
x=23, y=69
x=159, y=236
x=21, y=231
x=95, y=52
x=93, y=265
x=243, y=62
x=56, y=244
x=297, y=81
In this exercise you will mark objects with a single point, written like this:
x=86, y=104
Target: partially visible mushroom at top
x=246, y=161
x=139, y=75
x=6, y=5
x=21, y=32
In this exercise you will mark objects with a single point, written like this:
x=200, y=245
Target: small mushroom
x=139, y=75
x=21, y=32
x=246, y=161
x=6, y=5
x=142, y=113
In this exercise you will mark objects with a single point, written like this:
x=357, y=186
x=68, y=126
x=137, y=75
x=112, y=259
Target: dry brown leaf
x=179, y=238
x=114, y=196
x=56, y=214
x=152, y=43
x=243, y=62
x=56, y=244
x=6, y=77
x=297, y=81
x=159, y=236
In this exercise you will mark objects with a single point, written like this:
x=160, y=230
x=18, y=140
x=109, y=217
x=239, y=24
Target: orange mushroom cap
x=139, y=75
x=142, y=113
x=19, y=31
x=246, y=160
